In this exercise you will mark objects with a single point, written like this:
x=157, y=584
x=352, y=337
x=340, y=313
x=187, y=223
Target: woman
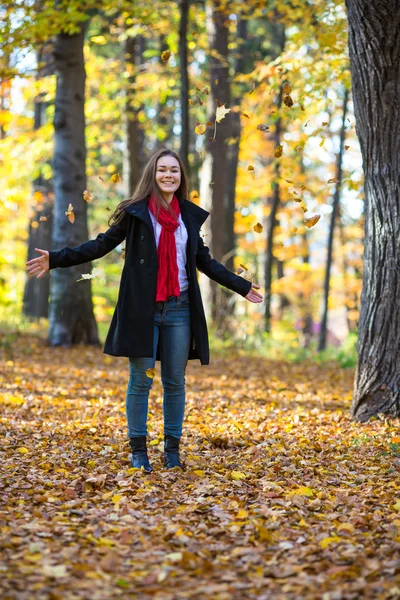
x=159, y=313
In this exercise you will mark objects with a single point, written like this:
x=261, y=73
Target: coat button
x=142, y=238
x=141, y=261
x=134, y=211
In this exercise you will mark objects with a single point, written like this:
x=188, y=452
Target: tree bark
x=36, y=291
x=71, y=310
x=133, y=157
x=374, y=43
x=184, y=92
x=334, y=215
x=213, y=191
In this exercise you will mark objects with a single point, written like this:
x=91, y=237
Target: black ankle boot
x=139, y=453
x=171, y=452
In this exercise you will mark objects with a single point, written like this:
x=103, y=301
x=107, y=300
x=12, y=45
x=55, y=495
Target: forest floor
x=283, y=496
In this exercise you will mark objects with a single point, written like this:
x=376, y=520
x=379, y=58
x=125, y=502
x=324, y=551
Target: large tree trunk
x=71, y=311
x=183, y=64
x=36, y=291
x=213, y=191
x=133, y=157
x=334, y=215
x=374, y=42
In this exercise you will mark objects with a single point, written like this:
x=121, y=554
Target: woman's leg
x=175, y=338
x=137, y=395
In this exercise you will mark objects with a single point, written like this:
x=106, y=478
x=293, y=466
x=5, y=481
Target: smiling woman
x=159, y=313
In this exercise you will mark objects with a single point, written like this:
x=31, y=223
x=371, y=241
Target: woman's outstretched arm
x=217, y=272
x=86, y=252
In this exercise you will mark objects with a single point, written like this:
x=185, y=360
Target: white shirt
x=181, y=238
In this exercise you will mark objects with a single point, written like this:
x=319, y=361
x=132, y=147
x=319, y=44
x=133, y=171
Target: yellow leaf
x=107, y=495
x=250, y=168
x=289, y=180
x=87, y=196
x=294, y=229
x=258, y=228
x=117, y=498
x=243, y=267
x=245, y=115
x=242, y=514
x=71, y=217
x=165, y=55
x=98, y=39
x=200, y=129
x=221, y=112
x=23, y=450
x=304, y=491
x=397, y=505
x=151, y=373
x=278, y=151
x=154, y=442
x=333, y=180
x=115, y=178
x=237, y=475
x=312, y=221
x=329, y=540
x=346, y=527
x=199, y=472
x=322, y=142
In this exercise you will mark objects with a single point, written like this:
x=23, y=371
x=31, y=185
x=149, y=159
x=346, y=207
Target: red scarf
x=167, y=277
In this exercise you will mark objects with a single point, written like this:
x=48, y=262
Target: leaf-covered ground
x=283, y=496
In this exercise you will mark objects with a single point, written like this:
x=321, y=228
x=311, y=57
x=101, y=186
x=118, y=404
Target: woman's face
x=168, y=175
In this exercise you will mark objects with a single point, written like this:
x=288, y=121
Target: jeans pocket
x=183, y=299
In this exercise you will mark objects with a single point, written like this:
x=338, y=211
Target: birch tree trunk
x=374, y=43
x=71, y=310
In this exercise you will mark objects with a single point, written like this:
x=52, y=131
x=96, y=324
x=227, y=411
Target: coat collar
x=188, y=209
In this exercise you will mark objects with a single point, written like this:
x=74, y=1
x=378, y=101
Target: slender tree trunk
x=334, y=214
x=213, y=191
x=71, y=311
x=374, y=43
x=271, y=224
x=183, y=63
x=36, y=291
x=133, y=157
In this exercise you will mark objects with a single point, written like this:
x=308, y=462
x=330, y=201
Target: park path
x=283, y=496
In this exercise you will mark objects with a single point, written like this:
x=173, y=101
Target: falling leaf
x=151, y=373
x=288, y=101
x=303, y=205
x=324, y=123
x=263, y=127
x=312, y=221
x=294, y=230
x=287, y=89
x=70, y=213
x=333, y=180
x=346, y=147
x=87, y=196
x=154, y=442
x=43, y=218
x=258, y=228
x=165, y=55
x=200, y=129
x=220, y=112
x=115, y=178
x=107, y=208
x=289, y=180
x=243, y=267
x=100, y=40
x=95, y=273
x=303, y=109
x=278, y=151
x=322, y=142
x=253, y=87
x=250, y=168
x=244, y=114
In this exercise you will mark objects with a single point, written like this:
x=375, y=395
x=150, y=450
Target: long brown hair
x=147, y=186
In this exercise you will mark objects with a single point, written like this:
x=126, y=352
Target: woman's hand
x=254, y=296
x=38, y=265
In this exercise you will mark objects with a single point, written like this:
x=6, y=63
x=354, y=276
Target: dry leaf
x=312, y=221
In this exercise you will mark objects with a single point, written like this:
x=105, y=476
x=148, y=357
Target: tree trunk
x=183, y=64
x=36, y=291
x=334, y=214
x=133, y=157
x=213, y=191
x=71, y=311
x=271, y=224
x=374, y=43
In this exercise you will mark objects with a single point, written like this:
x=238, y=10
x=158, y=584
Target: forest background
x=280, y=172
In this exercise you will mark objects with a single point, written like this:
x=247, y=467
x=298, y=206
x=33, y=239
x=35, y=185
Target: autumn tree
x=71, y=310
x=374, y=43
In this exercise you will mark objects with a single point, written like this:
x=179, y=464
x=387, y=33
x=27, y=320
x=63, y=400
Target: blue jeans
x=172, y=329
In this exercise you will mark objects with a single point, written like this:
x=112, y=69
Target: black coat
x=132, y=325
